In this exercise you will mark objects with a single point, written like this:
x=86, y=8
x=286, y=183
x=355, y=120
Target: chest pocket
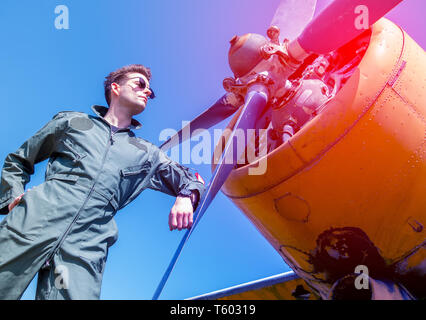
x=66, y=159
x=71, y=149
x=134, y=180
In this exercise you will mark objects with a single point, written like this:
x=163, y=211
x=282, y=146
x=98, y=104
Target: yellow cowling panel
x=360, y=163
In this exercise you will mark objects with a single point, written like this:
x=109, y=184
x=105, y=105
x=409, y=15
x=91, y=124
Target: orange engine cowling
x=350, y=187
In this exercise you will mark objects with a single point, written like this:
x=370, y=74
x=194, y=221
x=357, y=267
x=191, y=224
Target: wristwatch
x=186, y=194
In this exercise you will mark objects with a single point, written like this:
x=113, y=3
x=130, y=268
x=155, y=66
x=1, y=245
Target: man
x=96, y=167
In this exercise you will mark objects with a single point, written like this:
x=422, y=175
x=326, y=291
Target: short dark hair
x=118, y=75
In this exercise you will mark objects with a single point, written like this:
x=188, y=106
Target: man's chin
x=139, y=108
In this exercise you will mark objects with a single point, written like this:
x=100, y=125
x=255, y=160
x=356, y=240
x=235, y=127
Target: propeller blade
x=256, y=100
x=340, y=22
x=292, y=16
x=222, y=109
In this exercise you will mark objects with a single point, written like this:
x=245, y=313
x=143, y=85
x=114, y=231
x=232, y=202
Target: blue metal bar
x=248, y=286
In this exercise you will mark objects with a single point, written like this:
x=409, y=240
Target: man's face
x=132, y=95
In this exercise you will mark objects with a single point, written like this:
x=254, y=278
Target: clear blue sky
x=185, y=43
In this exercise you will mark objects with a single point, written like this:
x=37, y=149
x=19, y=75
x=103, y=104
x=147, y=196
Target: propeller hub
x=245, y=53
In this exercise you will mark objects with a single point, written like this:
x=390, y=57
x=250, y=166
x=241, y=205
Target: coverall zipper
x=47, y=264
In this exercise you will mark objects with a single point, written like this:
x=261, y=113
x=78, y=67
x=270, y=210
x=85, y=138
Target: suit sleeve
x=19, y=165
x=170, y=177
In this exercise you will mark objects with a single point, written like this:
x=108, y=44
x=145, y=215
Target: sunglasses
x=142, y=84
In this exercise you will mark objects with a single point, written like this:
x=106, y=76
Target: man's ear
x=115, y=88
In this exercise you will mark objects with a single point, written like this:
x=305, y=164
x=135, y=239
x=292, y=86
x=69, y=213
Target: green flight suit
x=63, y=227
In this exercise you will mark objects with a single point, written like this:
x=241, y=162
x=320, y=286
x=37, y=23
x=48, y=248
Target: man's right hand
x=15, y=202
